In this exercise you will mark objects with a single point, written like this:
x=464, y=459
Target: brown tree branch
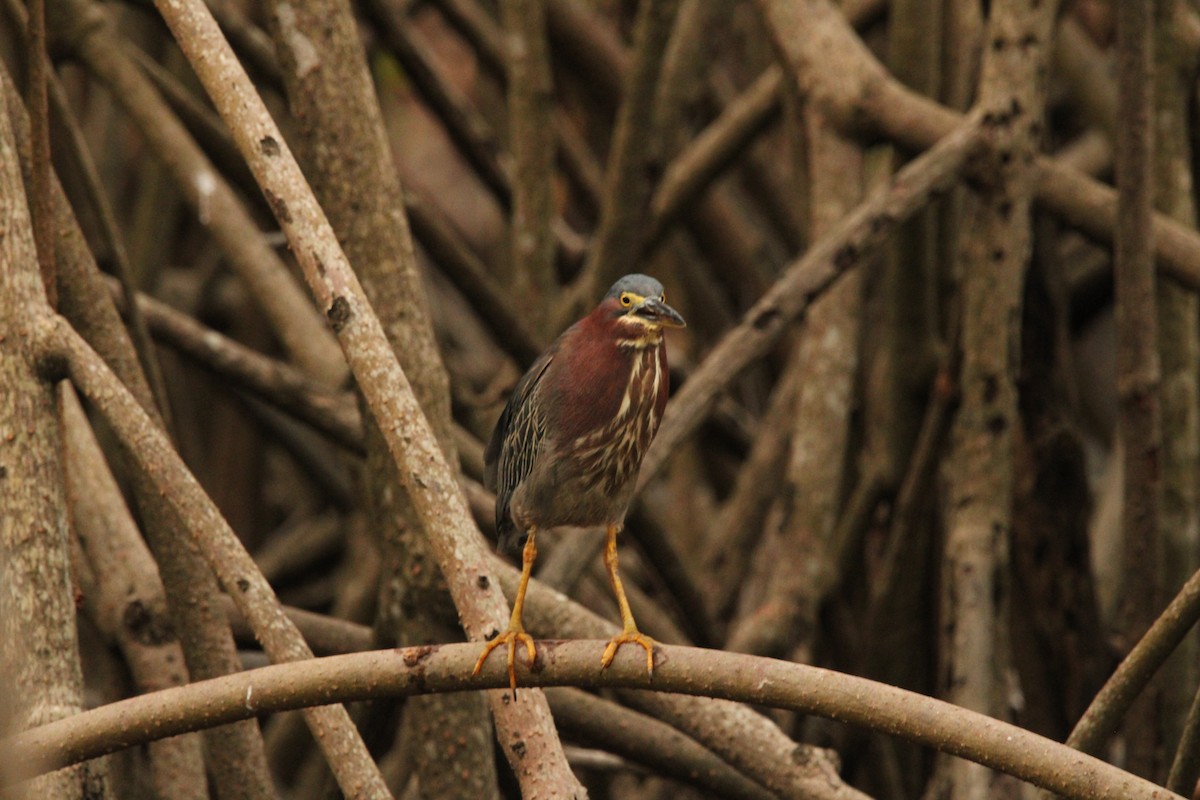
x=474, y=24
x=632, y=156
x=994, y=248
x=471, y=276
x=128, y=604
x=410, y=671
x=863, y=229
x=345, y=147
x=234, y=754
x=693, y=169
x=114, y=240
x=597, y=722
x=277, y=382
x=91, y=38
x=1179, y=358
x=466, y=127
x=1138, y=366
x=41, y=206
x=40, y=651
x=835, y=69
x=1130, y=678
x=532, y=143
x=538, y=760
x=743, y=738
x=156, y=459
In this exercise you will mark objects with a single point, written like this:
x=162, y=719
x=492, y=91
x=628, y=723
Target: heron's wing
x=515, y=444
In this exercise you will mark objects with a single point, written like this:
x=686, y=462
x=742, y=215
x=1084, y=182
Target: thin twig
x=128, y=602
x=1138, y=366
x=1126, y=683
x=115, y=242
x=695, y=168
x=1186, y=764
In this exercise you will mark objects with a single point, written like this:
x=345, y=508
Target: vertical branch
x=114, y=240
x=785, y=613
x=293, y=319
x=902, y=346
x=40, y=652
x=995, y=249
x=347, y=156
x=531, y=138
x=630, y=161
x=1179, y=350
x=41, y=206
x=128, y=602
x=234, y=752
x=1138, y=366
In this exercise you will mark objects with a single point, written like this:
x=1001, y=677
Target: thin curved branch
x=1127, y=682
x=582, y=716
x=596, y=722
x=685, y=670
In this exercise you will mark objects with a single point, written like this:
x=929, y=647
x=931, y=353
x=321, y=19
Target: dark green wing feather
x=514, y=446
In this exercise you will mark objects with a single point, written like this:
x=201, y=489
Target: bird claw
x=510, y=637
x=629, y=637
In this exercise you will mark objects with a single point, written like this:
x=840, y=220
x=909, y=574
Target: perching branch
x=684, y=670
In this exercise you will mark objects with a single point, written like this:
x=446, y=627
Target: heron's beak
x=659, y=312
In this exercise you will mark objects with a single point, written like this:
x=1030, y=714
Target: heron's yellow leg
x=629, y=633
x=516, y=630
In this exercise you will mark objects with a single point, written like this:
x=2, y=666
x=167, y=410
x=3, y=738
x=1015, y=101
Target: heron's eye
x=626, y=300
x=662, y=298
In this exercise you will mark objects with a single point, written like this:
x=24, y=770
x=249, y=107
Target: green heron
x=567, y=448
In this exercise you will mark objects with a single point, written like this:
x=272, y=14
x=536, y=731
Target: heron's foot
x=510, y=637
x=629, y=636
